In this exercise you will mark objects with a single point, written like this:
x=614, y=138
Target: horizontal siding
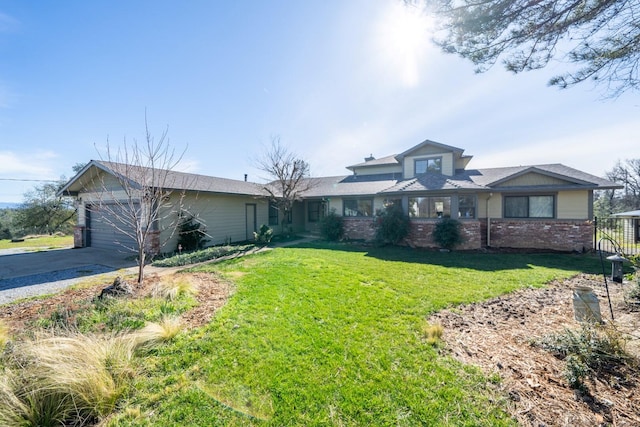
x=573, y=205
x=223, y=215
x=532, y=179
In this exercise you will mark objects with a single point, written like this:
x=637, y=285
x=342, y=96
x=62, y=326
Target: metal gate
x=617, y=235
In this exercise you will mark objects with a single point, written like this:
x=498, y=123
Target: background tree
x=601, y=37
x=626, y=173
x=43, y=211
x=145, y=197
x=289, y=177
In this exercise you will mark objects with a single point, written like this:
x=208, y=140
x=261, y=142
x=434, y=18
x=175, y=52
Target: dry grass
x=433, y=333
x=171, y=287
x=4, y=334
x=49, y=379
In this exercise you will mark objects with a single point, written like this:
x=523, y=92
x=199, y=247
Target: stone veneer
x=557, y=235
x=78, y=236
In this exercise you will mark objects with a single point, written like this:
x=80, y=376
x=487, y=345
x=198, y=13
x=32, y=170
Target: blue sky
x=335, y=80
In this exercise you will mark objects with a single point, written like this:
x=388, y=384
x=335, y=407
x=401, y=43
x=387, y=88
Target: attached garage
x=102, y=234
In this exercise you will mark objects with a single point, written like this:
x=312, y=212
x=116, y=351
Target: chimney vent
x=245, y=177
x=368, y=159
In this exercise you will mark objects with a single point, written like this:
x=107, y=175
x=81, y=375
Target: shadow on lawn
x=483, y=261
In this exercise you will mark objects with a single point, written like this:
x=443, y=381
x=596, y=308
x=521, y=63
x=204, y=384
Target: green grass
x=335, y=335
x=49, y=242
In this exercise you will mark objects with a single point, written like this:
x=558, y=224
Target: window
x=430, y=207
x=466, y=206
x=432, y=165
x=529, y=206
x=314, y=209
x=357, y=207
x=273, y=213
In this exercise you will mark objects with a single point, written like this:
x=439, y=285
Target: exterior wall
x=494, y=205
x=532, y=179
x=573, y=204
x=374, y=170
x=558, y=235
x=421, y=235
x=420, y=232
x=224, y=217
x=447, y=163
x=358, y=228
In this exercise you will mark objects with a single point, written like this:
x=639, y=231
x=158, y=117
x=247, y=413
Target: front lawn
x=335, y=335
x=48, y=242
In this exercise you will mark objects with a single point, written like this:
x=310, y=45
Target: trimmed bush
x=446, y=233
x=392, y=225
x=264, y=234
x=332, y=227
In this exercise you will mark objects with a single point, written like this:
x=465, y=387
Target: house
x=537, y=207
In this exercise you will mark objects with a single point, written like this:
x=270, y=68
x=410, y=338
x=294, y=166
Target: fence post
x=595, y=233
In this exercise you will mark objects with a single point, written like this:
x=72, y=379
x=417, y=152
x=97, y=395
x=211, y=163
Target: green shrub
x=392, y=225
x=264, y=234
x=591, y=349
x=191, y=234
x=332, y=226
x=447, y=233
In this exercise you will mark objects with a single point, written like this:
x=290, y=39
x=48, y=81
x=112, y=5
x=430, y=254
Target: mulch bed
x=497, y=336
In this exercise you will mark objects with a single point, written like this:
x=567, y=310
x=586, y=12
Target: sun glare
x=402, y=41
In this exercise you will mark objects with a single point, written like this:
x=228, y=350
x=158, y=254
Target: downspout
x=488, y=222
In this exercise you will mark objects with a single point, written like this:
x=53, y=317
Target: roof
x=350, y=185
x=170, y=180
x=493, y=176
x=384, y=161
x=436, y=182
x=457, y=150
x=630, y=214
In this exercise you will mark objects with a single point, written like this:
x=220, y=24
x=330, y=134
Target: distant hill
x=4, y=205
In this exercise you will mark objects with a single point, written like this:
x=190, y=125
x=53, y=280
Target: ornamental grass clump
x=172, y=287
x=155, y=333
x=4, y=334
x=60, y=380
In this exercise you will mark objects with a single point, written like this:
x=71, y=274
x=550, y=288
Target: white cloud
x=37, y=165
x=594, y=150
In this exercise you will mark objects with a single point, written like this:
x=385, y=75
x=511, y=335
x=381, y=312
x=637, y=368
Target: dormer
x=432, y=157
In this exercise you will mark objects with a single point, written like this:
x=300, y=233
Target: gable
x=533, y=179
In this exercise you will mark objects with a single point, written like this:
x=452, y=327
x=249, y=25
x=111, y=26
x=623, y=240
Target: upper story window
x=357, y=207
x=529, y=206
x=430, y=165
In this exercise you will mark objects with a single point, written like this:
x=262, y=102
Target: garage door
x=102, y=235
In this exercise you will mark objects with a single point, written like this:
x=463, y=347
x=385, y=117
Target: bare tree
x=146, y=197
x=601, y=37
x=289, y=175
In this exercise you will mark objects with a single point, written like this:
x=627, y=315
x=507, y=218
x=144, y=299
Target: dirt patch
x=212, y=294
x=497, y=336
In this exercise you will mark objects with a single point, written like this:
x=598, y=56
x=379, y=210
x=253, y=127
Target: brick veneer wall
x=420, y=232
x=359, y=228
x=559, y=235
x=78, y=236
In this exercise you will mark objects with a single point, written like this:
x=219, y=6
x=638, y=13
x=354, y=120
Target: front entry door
x=251, y=224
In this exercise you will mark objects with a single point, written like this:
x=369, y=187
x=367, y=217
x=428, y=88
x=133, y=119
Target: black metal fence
x=617, y=235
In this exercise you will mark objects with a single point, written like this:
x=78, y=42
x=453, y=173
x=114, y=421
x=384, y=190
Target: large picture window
x=431, y=165
x=529, y=206
x=357, y=207
x=430, y=207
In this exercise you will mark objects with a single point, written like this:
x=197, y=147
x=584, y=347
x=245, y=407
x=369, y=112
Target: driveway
x=36, y=273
